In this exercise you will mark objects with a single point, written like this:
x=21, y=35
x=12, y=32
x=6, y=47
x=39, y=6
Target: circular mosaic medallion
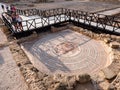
x=68, y=52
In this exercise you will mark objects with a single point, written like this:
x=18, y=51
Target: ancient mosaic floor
x=66, y=52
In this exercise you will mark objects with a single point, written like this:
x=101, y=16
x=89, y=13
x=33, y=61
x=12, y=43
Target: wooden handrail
x=69, y=15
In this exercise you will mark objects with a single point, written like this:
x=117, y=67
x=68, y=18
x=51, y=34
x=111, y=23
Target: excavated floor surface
x=66, y=52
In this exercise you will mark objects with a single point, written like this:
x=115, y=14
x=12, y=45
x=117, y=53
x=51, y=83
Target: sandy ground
x=85, y=5
x=111, y=12
x=10, y=77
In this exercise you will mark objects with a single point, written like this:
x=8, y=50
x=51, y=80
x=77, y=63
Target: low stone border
x=55, y=29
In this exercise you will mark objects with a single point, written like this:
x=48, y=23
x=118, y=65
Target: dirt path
x=111, y=12
x=10, y=78
x=86, y=5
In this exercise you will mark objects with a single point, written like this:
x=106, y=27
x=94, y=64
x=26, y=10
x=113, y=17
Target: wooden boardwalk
x=36, y=19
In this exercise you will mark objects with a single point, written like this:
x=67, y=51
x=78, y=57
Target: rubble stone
x=114, y=45
x=109, y=74
x=84, y=78
x=107, y=40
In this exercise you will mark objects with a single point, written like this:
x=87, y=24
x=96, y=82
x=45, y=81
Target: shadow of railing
x=53, y=64
x=1, y=60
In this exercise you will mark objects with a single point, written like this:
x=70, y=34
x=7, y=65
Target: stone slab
x=109, y=74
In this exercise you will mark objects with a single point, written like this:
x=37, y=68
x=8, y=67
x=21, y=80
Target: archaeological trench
x=67, y=58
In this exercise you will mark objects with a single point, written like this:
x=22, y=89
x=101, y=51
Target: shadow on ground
x=1, y=60
x=48, y=60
